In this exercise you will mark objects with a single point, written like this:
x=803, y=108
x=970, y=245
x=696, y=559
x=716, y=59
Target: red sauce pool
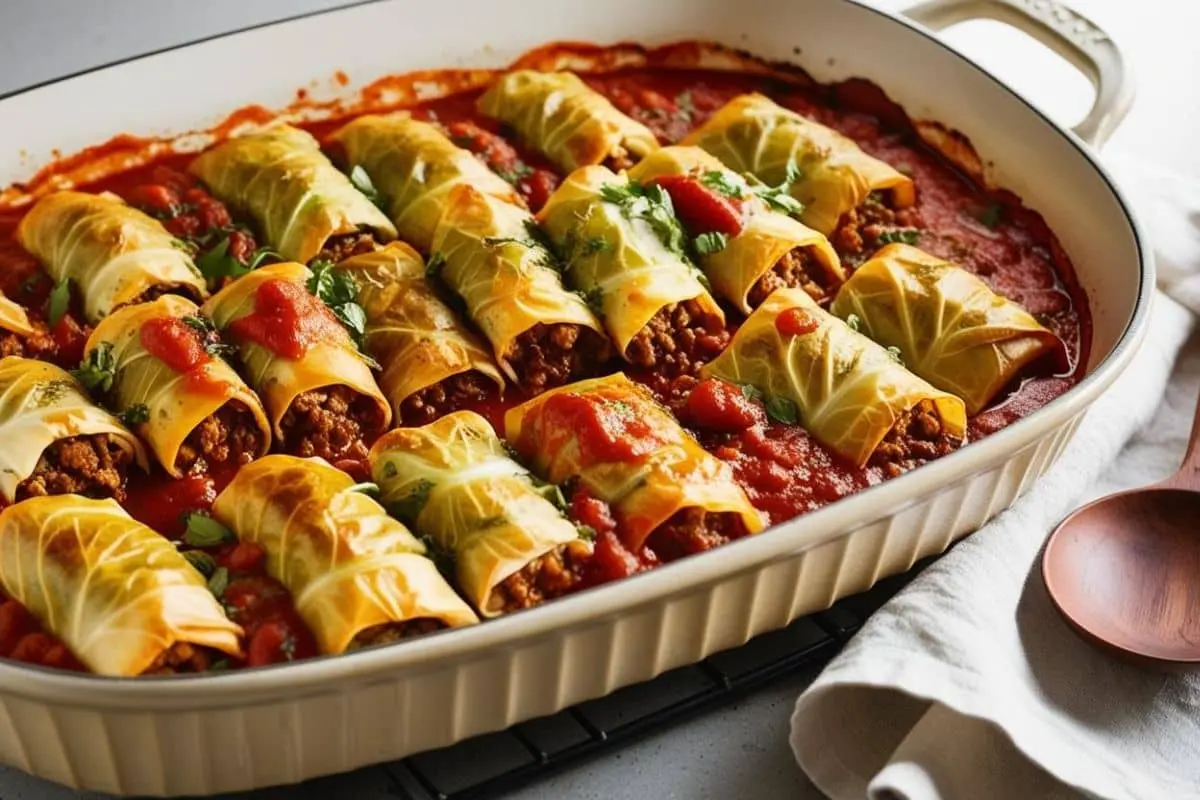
x=784, y=471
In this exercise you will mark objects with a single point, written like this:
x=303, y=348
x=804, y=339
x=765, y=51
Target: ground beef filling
x=548, y=576
x=229, y=436
x=916, y=437
x=181, y=658
x=330, y=422
x=861, y=230
x=546, y=356
x=338, y=248
x=93, y=466
x=678, y=340
x=394, y=632
x=40, y=344
x=451, y=394
x=162, y=289
x=621, y=159
x=797, y=269
x=694, y=530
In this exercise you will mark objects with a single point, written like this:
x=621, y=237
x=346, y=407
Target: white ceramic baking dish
x=285, y=724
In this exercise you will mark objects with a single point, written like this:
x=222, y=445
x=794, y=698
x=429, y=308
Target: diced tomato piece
x=69, y=338
x=245, y=557
x=185, y=226
x=355, y=468
x=591, y=511
x=241, y=246
x=155, y=198
x=33, y=648
x=538, y=187
x=272, y=643
x=611, y=560
x=720, y=406
x=15, y=623
x=701, y=209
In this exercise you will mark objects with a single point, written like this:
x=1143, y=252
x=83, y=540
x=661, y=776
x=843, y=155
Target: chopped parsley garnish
x=781, y=409
x=854, y=322
x=534, y=239
x=903, y=236
x=990, y=216
x=368, y=488
x=516, y=174
x=594, y=298
x=338, y=290
x=708, y=243
x=596, y=244
x=362, y=182
x=896, y=355
x=751, y=392
x=204, y=531
x=205, y=564
x=779, y=197
x=728, y=184
x=135, y=415
x=409, y=507
x=97, y=371
x=59, y=302
x=210, y=337
x=433, y=267
x=218, y=582
x=218, y=263
x=651, y=204
x=586, y=532
x=50, y=392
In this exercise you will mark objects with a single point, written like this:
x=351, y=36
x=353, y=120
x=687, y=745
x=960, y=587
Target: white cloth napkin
x=968, y=684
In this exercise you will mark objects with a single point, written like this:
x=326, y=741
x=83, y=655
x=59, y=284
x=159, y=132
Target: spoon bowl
x=1125, y=573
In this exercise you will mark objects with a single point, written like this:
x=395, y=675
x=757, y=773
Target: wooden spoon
x=1125, y=569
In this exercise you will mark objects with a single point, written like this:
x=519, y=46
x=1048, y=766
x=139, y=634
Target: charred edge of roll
x=162, y=289
x=859, y=230
x=394, y=632
x=457, y=391
x=550, y=575
x=678, y=340
x=330, y=422
x=694, y=530
x=39, y=345
x=93, y=466
x=546, y=356
x=182, y=658
x=918, y=436
x=338, y=248
x=230, y=435
x=798, y=269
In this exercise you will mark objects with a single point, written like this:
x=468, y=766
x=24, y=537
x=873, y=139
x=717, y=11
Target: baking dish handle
x=1065, y=31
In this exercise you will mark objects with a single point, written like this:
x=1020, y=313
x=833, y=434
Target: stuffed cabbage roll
x=55, y=439
x=609, y=434
x=414, y=166
x=320, y=396
x=623, y=251
x=490, y=253
x=566, y=120
x=747, y=247
x=172, y=384
x=848, y=392
x=431, y=363
x=453, y=482
x=114, y=254
x=357, y=576
x=819, y=167
x=120, y=596
x=304, y=207
x=949, y=327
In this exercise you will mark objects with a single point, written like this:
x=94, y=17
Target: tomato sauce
x=784, y=471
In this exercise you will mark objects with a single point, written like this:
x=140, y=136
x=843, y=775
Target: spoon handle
x=1188, y=476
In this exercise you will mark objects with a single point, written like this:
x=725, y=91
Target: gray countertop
x=740, y=749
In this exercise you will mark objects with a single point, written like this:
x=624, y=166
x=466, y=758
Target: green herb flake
x=854, y=323
x=205, y=564
x=433, y=267
x=410, y=507
x=728, y=184
x=210, y=337
x=50, y=392
x=204, y=531
x=596, y=244
x=782, y=409
x=751, y=392
x=903, y=236
x=218, y=263
x=896, y=355
x=990, y=216
x=338, y=290
x=135, y=415
x=586, y=532
x=594, y=298
x=442, y=559
x=97, y=371
x=779, y=197
x=515, y=175
x=707, y=244
x=220, y=665
x=218, y=582
x=362, y=182
x=651, y=204
x=59, y=302
x=366, y=487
